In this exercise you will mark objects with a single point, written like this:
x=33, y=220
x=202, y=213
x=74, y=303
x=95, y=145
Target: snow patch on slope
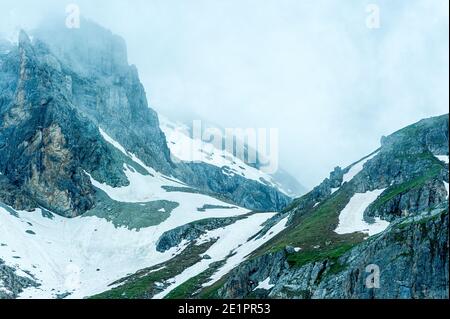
x=356, y=168
x=264, y=284
x=112, y=142
x=244, y=250
x=351, y=218
x=443, y=158
x=133, y=157
x=83, y=255
x=145, y=188
x=233, y=240
x=446, y=188
x=185, y=148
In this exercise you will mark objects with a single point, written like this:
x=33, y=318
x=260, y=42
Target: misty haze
x=224, y=149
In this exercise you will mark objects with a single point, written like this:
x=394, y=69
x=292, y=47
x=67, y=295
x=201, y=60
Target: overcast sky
x=312, y=69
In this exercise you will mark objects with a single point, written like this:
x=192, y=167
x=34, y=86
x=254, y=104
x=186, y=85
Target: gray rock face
x=56, y=92
x=412, y=258
x=90, y=51
x=107, y=90
x=111, y=95
x=46, y=144
x=426, y=135
x=15, y=197
x=405, y=165
x=419, y=198
x=244, y=192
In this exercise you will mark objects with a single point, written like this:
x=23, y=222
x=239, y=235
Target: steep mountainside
x=153, y=224
x=389, y=209
x=184, y=147
x=385, y=215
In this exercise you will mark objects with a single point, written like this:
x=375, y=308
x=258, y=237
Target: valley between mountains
x=99, y=197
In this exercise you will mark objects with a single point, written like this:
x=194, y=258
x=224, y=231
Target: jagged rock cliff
x=107, y=90
x=45, y=142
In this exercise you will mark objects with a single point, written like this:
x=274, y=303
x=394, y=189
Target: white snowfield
x=185, y=148
x=351, y=217
x=264, y=284
x=446, y=188
x=231, y=237
x=83, y=255
x=80, y=255
x=356, y=168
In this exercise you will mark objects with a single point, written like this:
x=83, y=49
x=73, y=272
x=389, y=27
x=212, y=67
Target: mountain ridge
x=93, y=204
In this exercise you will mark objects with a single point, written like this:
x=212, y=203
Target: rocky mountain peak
x=57, y=92
x=23, y=39
x=89, y=50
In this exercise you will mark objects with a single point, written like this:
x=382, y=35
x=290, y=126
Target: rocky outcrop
x=112, y=96
x=429, y=134
x=108, y=91
x=14, y=196
x=46, y=144
x=406, y=200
